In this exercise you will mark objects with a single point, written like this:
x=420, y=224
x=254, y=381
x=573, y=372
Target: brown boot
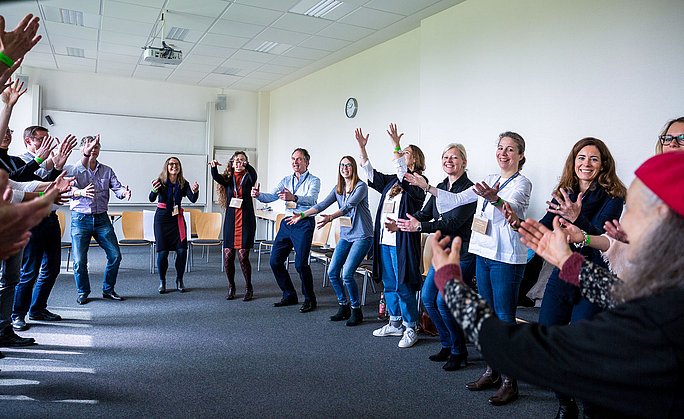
x=507, y=393
x=489, y=379
x=231, y=292
x=249, y=294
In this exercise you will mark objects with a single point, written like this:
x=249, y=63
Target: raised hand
x=614, y=230
x=255, y=190
x=63, y=183
x=286, y=195
x=565, y=207
x=214, y=163
x=127, y=193
x=361, y=139
x=156, y=184
x=18, y=42
x=552, y=245
x=411, y=224
x=12, y=93
x=90, y=145
x=46, y=147
x=490, y=193
x=87, y=192
x=195, y=187
x=64, y=151
x=394, y=136
x=6, y=73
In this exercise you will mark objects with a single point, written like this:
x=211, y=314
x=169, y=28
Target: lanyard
x=294, y=189
x=500, y=188
x=239, y=188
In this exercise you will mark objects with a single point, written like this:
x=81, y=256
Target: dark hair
x=31, y=131
x=85, y=139
x=307, y=157
x=659, y=145
x=607, y=177
x=227, y=174
x=341, y=183
x=519, y=141
x=418, y=158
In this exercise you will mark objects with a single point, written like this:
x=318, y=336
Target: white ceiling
x=218, y=47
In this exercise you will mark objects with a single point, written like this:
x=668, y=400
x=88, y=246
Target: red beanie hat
x=664, y=175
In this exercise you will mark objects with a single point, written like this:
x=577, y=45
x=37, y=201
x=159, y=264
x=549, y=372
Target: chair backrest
x=62, y=223
x=148, y=225
x=193, y=218
x=427, y=252
x=336, y=231
x=320, y=236
x=132, y=225
x=279, y=218
x=209, y=225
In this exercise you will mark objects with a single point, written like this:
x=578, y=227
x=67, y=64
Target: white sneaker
x=388, y=330
x=409, y=339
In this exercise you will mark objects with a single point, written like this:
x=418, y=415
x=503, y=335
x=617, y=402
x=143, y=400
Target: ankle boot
x=231, y=292
x=343, y=313
x=179, y=285
x=567, y=409
x=489, y=379
x=356, y=317
x=162, y=286
x=507, y=393
x=249, y=294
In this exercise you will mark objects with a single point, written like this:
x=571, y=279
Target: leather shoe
x=286, y=302
x=82, y=299
x=507, y=393
x=307, y=306
x=11, y=339
x=489, y=379
x=231, y=293
x=441, y=356
x=249, y=295
x=112, y=296
x=45, y=315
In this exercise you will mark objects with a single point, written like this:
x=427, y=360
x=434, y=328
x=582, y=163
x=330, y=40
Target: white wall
x=552, y=70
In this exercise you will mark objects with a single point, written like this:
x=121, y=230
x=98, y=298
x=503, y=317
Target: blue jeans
x=563, y=304
x=401, y=301
x=346, y=259
x=498, y=283
x=297, y=236
x=40, y=266
x=450, y=334
x=9, y=278
x=83, y=228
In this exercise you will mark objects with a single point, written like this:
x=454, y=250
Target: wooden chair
x=265, y=246
x=133, y=232
x=193, y=220
x=366, y=269
x=324, y=252
x=61, y=217
x=208, y=233
x=426, y=261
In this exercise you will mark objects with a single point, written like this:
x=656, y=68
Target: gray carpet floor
x=197, y=355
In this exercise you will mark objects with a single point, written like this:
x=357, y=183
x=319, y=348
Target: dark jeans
x=450, y=333
x=83, y=228
x=163, y=262
x=9, y=278
x=297, y=236
x=498, y=283
x=40, y=266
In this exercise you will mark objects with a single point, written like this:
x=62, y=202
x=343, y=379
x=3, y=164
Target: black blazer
x=248, y=217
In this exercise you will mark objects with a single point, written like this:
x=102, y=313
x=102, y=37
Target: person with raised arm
x=239, y=223
x=169, y=189
x=89, y=218
x=396, y=253
x=300, y=192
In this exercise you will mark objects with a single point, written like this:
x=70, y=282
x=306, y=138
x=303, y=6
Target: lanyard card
x=480, y=224
x=290, y=205
x=235, y=202
x=175, y=211
x=388, y=207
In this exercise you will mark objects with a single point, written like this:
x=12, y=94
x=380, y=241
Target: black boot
x=179, y=285
x=231, y=292
x=567, y=409
x=162, y=286
x=356, y=317
x=343, y=313
x=249, y=294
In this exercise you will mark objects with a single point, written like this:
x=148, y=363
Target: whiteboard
x=138, y=169
x=131, y=133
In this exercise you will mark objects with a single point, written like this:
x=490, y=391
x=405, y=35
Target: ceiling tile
x=328, y=44
x=262, y=75
x=233, y=28
x=248, y=14
x=219, y=40
x=306, y=53
x=258, y=57
x=402, y=7
x=38, y=59
x=123, y=39
x=120, y=49
x=301, y=23
x=152, y=72
x=131, y=11
x=218, y=80
x=210, y=8
x=73, y=31
x=282, y=5
x=371, y=18
x=191, y=77
x=119, y=58
x=291, y=61
x=54, y=14
x=75, y=63
x=198, y=67
x=241, y=64
x=149, y=3
x=282, y=36
x=212, y=50
x=196, y=25
x=105, y=65
x=85, y=6
x=203, y=59
x=346, y=32
x=126, y=26
x=277, y=69
x=60, y=43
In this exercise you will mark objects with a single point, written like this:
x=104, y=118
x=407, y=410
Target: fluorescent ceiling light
x=266, y=46
x=229, y=71
x=75, y=52
x=177, y=34
x=322, y=8
x=71, y=17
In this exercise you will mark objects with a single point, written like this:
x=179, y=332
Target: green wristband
x=301, y=214
x=41, y=193
x=154, y=190
x=587, y=241
x=397, y=149
x=498, y=202
x=38, y=160
x=7, y=60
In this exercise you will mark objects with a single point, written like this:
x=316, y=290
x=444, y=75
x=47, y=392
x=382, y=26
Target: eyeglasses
x=173, y=164
x=667, y=139
x=347, y=165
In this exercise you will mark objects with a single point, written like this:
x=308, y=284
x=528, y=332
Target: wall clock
x=351, y=107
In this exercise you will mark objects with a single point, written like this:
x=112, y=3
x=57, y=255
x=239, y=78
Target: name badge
x=480, y=224
x=290, y=205
x=388, y=207
x=175, y=211
x=235, y=202
x=345, y=221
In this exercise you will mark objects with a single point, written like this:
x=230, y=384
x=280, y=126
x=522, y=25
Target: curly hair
x=227, y=174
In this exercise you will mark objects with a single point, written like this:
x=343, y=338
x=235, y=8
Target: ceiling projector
x=164, y=55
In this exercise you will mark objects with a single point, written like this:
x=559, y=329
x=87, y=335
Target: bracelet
x=584, y=242
x=497, y=203
x=154, y=190
x=397, y=149
x=6, y=60
x=41, y=193
x=38, y=160
x=301, y=214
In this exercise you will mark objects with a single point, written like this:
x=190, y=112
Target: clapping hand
x=87, y=192
x=574, y=233
x=214, y=163
x=391, y=225
x=490, y=193
x=21, y=39
x=325, y=219
x=286, y=195
x=46, y=148
x=195, y=187
x=12, y=93
x=156, y=184
x=127, y=193
x=552, y=245
x=510, y=215
x=64, y=151
x=614, y=230
x=411, y=224
x=91, y=144
x=564, y=206
x=416, y=180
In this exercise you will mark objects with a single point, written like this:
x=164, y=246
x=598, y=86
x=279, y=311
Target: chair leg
x=223, y=261
x=365, y=288
x=259, y=259
x=68, y=257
